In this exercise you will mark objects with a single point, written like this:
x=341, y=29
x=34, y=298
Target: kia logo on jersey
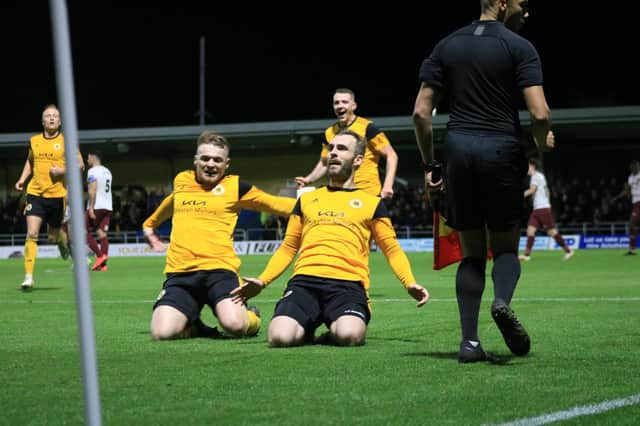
x=194, y=203
x=331, y=213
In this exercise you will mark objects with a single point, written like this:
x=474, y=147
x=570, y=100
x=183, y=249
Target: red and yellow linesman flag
x=446, y=243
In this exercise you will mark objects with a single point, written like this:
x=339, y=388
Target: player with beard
x=329, y=230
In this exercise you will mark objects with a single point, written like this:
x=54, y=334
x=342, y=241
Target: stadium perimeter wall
x=268, y=153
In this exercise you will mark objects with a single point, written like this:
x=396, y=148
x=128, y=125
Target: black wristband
x=433, y=164
x=435, y=167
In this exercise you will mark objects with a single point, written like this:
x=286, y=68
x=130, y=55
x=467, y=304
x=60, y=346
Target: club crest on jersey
x=356, y=203
x=56, y=146
x=218, y=190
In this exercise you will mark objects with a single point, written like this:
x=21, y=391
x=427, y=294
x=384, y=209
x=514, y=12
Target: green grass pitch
x=583, y=317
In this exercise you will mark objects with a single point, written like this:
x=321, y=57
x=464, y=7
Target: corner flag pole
x=66, y=97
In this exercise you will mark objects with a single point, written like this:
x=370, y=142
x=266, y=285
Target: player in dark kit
x=483, y=69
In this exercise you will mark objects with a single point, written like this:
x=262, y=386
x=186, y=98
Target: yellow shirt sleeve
x=285, y=253
x=324, y=153
x=385, y=237
x=256, y=199
x=378, y=142
x=163, y=212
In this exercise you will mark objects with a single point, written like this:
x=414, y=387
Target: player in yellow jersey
x=329, y=230
x=377, y=145
x=46, y=190
x=202, y=266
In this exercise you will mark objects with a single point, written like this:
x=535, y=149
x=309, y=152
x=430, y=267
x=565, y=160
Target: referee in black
x=483, y=70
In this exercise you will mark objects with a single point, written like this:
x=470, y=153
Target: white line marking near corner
x=584, y=410
x=577, y=299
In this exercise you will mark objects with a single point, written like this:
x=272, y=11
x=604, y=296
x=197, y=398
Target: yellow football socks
x=30, y=252
x=253, y=322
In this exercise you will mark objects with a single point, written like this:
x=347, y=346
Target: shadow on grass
x=395, y=339
x=242, y=339
x=38, y=289
x=492, y=358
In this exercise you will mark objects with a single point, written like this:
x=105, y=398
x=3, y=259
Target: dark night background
x=137, y=66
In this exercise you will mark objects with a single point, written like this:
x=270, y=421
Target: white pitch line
x=403, y=300
x=584, y=410
x=577, y=299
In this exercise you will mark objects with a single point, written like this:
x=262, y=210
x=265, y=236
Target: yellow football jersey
x=44, y=153
x=204, y=219
x=367, y=177
x=330, y=230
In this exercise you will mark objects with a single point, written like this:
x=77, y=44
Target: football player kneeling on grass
x=202, y=266
x=330, y=229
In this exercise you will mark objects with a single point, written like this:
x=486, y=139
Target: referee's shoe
x=512, y=331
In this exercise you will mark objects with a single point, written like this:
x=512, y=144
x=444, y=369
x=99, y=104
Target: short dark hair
x=95, y=153
x=535, y=163
x=347, y=91
x=488, y=4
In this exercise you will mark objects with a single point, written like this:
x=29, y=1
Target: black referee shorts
x=485, y=180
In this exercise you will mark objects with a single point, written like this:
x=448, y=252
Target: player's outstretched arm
x=318, y=171
x=280, y=260
x=251, y=288
x=385, y=237
x=419, y=293
x=154, y=241
x=162, y=213
x=256, y=199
